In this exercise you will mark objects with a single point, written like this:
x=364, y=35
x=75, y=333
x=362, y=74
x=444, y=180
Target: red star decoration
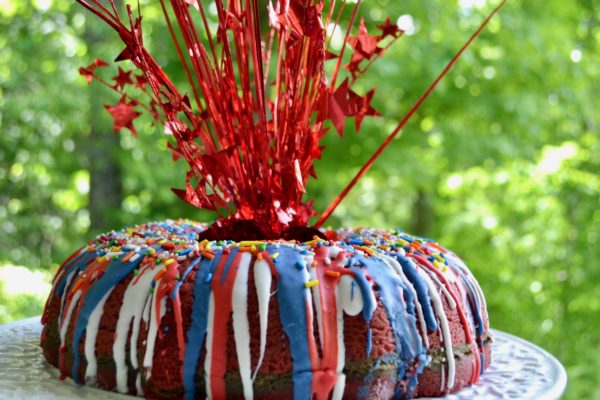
x=354, y=65
x=364, y=45
x=123, y=115
x=122, y=79
x=344, y=102
x=140, y=81
x=330, y=55
x=389, y=29
x=337, y=107
x=364, y=108
x=365, y=48
x=126, y=54
x=88, y=72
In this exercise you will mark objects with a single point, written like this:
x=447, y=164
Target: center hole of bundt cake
x=240, y=230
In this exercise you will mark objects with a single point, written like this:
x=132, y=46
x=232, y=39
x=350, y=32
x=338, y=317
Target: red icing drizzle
x=165, y=283
x=147, y=263
x=423, y=261
x=222, y=294
x=84, y=283
x=60, y=271
x=324, y=368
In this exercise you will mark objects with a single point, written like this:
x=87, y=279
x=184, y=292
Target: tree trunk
x=106, y=191
x=421, y=214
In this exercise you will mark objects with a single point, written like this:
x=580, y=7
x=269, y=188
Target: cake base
x=520, y=370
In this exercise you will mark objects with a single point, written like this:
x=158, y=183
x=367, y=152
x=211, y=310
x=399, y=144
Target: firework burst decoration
x=259, y=102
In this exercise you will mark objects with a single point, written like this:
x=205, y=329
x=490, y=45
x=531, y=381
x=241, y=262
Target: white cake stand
x=520, y=370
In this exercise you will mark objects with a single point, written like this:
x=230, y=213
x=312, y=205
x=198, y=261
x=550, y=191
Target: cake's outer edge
x=163, y=279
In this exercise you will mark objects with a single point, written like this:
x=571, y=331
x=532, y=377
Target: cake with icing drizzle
x=151, y=311
x=178, y=309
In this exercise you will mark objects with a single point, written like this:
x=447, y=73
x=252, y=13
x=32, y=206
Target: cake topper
x=257, y=105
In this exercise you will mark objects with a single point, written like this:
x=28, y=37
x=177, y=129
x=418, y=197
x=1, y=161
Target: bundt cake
x=152, y=311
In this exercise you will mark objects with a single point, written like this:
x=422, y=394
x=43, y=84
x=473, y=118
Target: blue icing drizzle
x=393, y=295
x=78, y=263
x=474, y=311
x=115, y=273
x=187, y=270
x=292, y=313
x=369, y=341
x=365, y=290
x=228, y=264
x=196, y=333
x=473, y=301
x=408, y=267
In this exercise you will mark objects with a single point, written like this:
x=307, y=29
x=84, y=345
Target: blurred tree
x=501, y=164
x=102, y=150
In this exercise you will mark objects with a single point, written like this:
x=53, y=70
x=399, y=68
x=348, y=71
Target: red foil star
x=122, y=79
x=88, y=72
x=123, y=115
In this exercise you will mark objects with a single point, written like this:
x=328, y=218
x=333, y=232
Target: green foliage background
x=501, y=164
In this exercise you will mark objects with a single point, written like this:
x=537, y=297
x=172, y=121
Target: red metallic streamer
x=252, y=135
x=331, y=208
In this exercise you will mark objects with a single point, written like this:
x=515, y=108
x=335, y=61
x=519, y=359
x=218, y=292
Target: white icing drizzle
x=449, y=274
x=134, y=300
x=153, y=330
x=136, y=331
x=340, y=384
x=64, y=324
x=262, y=281
x=398, y=268
x=147, y=307
x=241, y=327
x=422, y=323
x=349, y=303
x=443, y=378
x=481, y=299
x=438, y=308
x=138, y=385
x=309, y=274
x=334, y=251
x=316, y=296
x=444, y=290
x=59, y=276
x=338, y=389
x=457, y=262
x=90, y=339
x=308, y=260
x=208, y=344
x=65, y=292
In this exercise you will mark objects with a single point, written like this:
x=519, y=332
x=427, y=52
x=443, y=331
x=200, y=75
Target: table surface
x=519, y=370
